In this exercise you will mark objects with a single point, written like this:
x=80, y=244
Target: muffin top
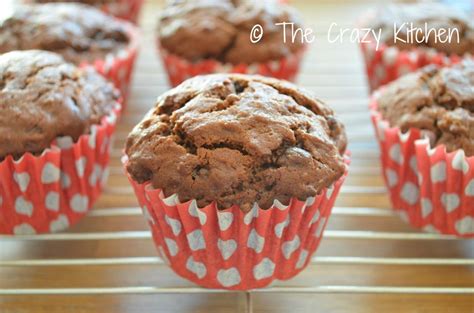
x=237, y=139
x=76, y=31
x=42, y=97
x=440, y=102
x=430, y=18
x=220, y=29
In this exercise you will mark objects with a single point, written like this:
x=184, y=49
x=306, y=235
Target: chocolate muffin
x=78, y=32
x=43, y=97
x=430, y=19
x=237, y=140
x=440, y=102
x=220, y=30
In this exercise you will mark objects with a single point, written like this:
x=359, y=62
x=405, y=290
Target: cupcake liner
x=52, y=191
x=430, y=188
x=118, y=67
x=180, y=69
x=128, y=10
x=231, y=249
x=386, y=63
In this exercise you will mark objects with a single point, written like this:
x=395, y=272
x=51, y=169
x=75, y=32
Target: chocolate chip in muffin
x=220, y=29
x=237, y=140
x=76, y=31
x=42, y=97
x=440, y=102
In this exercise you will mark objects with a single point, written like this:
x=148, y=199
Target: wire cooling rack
x=369, y=256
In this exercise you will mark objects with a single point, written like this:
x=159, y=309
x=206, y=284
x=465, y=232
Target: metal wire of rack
x=117, y=218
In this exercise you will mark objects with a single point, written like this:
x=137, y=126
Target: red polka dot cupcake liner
x=52, y=191
x=180, y=69
x=387, y=63
x=118, y=67
x=430, y=188
x=231, y=249
x=128, y=10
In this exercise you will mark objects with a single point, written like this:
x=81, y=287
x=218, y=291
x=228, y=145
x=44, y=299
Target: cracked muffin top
x=220, y=29
x=237, y=140
x=76, y=31
x=435, y=16
x=42, y=97
x=440, y=102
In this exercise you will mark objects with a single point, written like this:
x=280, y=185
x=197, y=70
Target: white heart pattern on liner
x=65, y=142
x=392, y=177
x=229, y=277
x=329, y=192
x=465, y=226
x=196, y=240
x=172, y=246
x=79, y=203
x=23, y=206
x=198, y=268
x=281, y=226
x=225, y=220
x=291, y=246
x=414, y=164
x=320, y=227
x=251, y=214
x=226, y=247
x=96, y=173
x=255, y=241
x=174, y=224
x=264, y=269
x=65, y=180
x=50, y=173
x=24, y=229
x=426, y=207
x=459, y=162
x=438, y=172
x=194, y=211
x=22, y=179
x=52, y=201
x=61, y=223
x=171, y=200
x=147, y=215
x=302, y=259
x=280, y=206
x=430, y=229
x=410, y=193
x=450, y=201
x=395, y=154
x=469, y=191
x=81, y=166
x=316, y=217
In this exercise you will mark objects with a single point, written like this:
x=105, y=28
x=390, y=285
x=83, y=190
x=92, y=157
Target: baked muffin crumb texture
x=237, y=139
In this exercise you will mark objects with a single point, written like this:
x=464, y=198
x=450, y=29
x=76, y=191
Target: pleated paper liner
x=52, y=191
x=128, y=10
x=231, y=249
x=180, y=69
x=431, y=189
x=389, y=63
x=117, y=67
